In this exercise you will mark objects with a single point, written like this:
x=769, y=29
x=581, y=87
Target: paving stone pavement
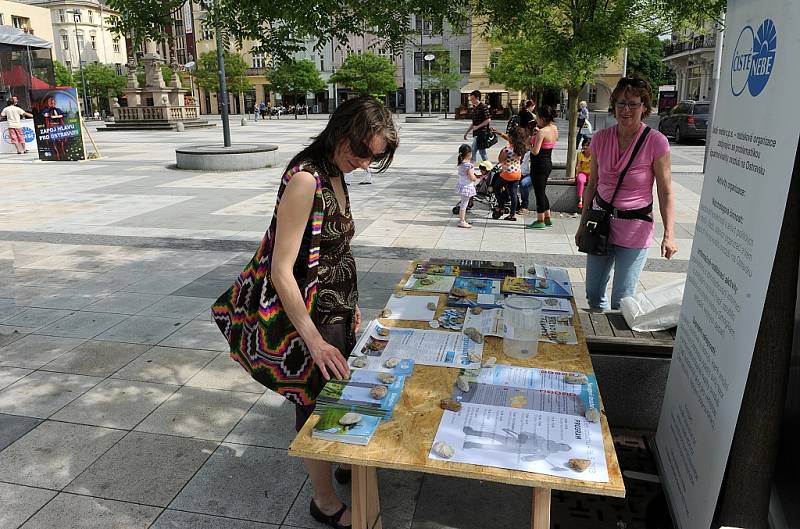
x=118, y=405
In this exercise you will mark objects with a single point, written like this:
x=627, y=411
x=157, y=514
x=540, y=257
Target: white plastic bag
x=656, y=309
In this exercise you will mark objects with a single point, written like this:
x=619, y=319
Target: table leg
x=540, y=510
x=366, y=505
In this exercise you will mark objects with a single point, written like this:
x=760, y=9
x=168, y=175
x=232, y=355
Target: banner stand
x=744, y=499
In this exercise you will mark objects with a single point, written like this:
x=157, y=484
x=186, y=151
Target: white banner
x=27, y=129
x=751, y=157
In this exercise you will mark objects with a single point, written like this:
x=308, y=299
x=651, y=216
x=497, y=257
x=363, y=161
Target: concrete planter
x=240, y=157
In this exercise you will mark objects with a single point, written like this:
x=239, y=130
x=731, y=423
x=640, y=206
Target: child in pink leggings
x=582, y=170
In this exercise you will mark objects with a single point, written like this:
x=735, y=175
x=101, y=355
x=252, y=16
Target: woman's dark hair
x=632, y=87
x=355, y=121
x=518, y=138
x=463, y=151
x=546, y=112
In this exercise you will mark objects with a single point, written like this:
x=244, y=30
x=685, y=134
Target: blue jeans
x=627, y=263
x=525, y=190
x=483, y=154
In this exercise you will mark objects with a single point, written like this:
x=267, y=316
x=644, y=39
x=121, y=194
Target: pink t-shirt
x=636, y=190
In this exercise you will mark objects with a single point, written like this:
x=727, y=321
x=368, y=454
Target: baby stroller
x=488, y=174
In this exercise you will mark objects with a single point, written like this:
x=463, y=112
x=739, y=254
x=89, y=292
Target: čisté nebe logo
x=754, y=58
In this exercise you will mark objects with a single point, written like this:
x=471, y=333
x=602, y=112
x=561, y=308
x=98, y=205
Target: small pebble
x=391, y=362
x=350, y=419
x=400, y=294
x=378, y=392
x=361, y=361
x=579, y=465
x=443, y=450
x=575, y=378
x=450, y=405
x=385, y=313
x=431, y=306
x=474, y=358
x=434, y=324
x=462, y=383
x=387, y=378
x=476, y=310
x=383, y=331
x=593, y=415
x=490, y=362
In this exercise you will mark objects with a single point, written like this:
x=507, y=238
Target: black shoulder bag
x=598, y=221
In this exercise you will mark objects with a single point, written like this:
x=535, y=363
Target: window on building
x=21, y=23
x=118, y=67
x=76, y=16
x=591, y=96
x=423, y=26
x=81, y=45
x=465, y=60
x=91, y=17
x=62, y=16
x=208, y=34
x=322, y=65
x=116, y=45
x=417, y=62
x=64, y=41
x=68, y=64
x=93, y=41
x=258, y=60
x=2, y=20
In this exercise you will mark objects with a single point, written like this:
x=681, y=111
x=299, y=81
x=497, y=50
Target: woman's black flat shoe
x=342, y=475
x=331, y=520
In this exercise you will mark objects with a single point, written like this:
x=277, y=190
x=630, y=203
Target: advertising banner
x=27, y=129
x=56, y=114
x=751, y=156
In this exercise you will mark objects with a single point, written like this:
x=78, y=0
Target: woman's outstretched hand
x=329, y=360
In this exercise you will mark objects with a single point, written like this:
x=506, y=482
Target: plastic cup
x=522, y=316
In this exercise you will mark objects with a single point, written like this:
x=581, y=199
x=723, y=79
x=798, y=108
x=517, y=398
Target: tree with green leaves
x=63, y=75
x=442, y=74
x=296, y=78
x=102, y=82
x=368, y=74
x=235, y=73
x=523, y=64
x=645, y=51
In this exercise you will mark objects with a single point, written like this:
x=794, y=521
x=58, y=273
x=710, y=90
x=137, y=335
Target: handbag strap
x=636, y=148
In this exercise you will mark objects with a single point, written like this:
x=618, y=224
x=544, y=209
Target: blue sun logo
x=754, y=58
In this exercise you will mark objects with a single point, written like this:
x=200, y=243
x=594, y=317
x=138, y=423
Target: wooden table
x=403, y=442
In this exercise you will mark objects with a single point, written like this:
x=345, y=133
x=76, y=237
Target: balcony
x=256, y=72
x=696, y=43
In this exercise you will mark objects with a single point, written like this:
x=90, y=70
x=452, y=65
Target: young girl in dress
x=582, y=170
x=466, y=183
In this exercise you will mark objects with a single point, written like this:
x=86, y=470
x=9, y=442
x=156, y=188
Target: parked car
x=686, y=121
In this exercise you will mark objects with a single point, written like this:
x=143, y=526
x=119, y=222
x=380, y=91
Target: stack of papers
x=356, y=394
x=329, y=429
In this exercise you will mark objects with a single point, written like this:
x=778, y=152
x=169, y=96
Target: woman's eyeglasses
x=622, y=105
x=633, y=81
x=365, y=153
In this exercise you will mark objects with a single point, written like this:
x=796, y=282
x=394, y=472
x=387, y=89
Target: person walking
x=631, y=229
x=481, y=121
x=542, y=145
x=466, y=183
x=16, y=135
x=583, y=117
x=306, y=274
x=526, y=114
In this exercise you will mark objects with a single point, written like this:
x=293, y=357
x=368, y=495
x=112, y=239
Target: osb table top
x=404, y=442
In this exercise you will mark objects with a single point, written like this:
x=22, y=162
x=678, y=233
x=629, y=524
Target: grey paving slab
x=481, y=504
x=124, y=303
x=116, y=403
x=205, y=288
x=68, y=511
x=240, y=482
x=144, y=468
x=54, y=453
x=83, y=324
x=199, y=413
x=12, y=427
x=9, y=375
x=35, y=318
x=10, y=334
x=33, y=351
x=61, y=298
x=41, y=394
x=373, y=298
x=20, y=502
x=180, y=306
x=269, y=423
x=142, y=329
x=8, y=307
x=166, y=365
x=197, y=334
x=159, y=284
x=96, y=358
x=171, y=519
x=224, y=373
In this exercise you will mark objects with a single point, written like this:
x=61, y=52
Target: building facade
x=598, y=94
x=691, y=56
x=29, y=18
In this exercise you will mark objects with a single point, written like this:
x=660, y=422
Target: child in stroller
x=488, y=174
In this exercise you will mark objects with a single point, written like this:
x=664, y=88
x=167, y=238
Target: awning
x=16, y=76
x=17, y=37
x=484, y=87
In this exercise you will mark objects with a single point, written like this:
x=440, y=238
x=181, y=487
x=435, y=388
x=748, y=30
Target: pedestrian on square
x=481, y=122
x=542, y=144
x=308, y=281
x=510, y=171
x=583, y=117
x=13, y=114
x=631, y=229
x=255, y=111
x=582, y=170
x=466, y=183
x=527, y=114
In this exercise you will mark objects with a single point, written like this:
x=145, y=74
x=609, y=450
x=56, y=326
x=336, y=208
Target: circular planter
x=216, y=157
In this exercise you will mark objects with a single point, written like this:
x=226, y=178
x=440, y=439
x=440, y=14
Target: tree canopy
x=367, y=73
x=102, y=80
x=295, y=78
x=645, y=52
x=207, y=75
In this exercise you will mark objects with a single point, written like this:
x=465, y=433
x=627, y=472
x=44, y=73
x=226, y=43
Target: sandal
x=342, y=475
x=509, y=217
x=331, y=520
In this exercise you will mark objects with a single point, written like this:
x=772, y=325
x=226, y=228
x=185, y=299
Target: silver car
x=687, y=120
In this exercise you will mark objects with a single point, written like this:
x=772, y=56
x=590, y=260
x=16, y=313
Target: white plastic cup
x=522, y=321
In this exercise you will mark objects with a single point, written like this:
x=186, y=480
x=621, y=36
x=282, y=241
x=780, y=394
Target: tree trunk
x=572, y=116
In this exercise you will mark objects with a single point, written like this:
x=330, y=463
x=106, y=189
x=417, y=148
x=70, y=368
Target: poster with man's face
x=56, y=114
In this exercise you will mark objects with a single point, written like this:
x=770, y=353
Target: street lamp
x=76, y=16
x=222, y=95
x=429, y=57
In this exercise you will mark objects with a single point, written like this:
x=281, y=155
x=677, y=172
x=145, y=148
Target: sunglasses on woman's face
x=632, y=81
x=363, y=152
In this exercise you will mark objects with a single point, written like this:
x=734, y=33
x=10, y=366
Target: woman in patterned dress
x=360, y=134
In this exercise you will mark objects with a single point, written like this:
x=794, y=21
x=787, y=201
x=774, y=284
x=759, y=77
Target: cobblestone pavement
x=118, y=405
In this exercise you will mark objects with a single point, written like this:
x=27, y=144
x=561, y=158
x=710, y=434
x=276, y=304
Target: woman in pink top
x=632, y=224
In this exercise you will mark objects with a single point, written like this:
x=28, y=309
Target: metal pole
x=714, y=85
x=625, y=63
x=222, y=96
x=80, y=63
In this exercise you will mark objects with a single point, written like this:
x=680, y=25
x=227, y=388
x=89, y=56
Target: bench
x=631, y=368
x=560, y=191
